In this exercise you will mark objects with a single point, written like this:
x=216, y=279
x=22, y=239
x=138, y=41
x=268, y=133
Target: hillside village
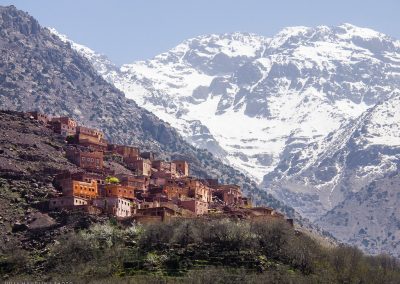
x=146, y=190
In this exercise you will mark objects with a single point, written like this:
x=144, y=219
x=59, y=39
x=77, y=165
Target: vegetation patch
x=196, y=251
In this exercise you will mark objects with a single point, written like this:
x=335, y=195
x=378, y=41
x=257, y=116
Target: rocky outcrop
x=30, y=156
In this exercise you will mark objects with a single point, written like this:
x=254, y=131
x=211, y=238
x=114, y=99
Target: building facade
x=117, y=190
x=63, y=125
x=67, y=202
x=117, y=206
x=92, y=161
x=182, y=167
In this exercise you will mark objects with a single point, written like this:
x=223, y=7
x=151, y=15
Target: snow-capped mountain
x=246, y=97
x=317, y=177
x=313, y=113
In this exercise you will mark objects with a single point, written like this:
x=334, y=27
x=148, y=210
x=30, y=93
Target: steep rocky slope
x=369, y=218
x=30, y=156
x=321, y=175
x=39, y=71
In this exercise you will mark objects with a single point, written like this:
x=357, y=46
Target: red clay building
x=117, y=190
x=230, y=194
x=184, y=188
x=124, y=151
x=182, y=167
x=67, y=202
x=42, y=118
x=139, y=183
x=163, y=166
x=64, y=126
x=162, y=213
x=92, y=161
x=91, y=138
x=80, y=189
x=174, y=192
x=88, y=177
x=117, y=206
x=196, y=206
x=140, y=166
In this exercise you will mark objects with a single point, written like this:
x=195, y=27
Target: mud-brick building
x=80, y=176
x=137, y=182
x=198, y=190
x=156, y=214
x=124, y=151
x=67, y=202
x=118, y=190
x=117, y=206
x=182, y=167
x=91, y=138
x=187, y=188
x=140, y=166
x=40, y=117
x=163, y=166
x=88, y=190
x=174, y=191
x=196, y=206
x=91, y=161
x=89, y=177
x=160, y=178
x=63, y=125
x=148, y=155
x=230, y=194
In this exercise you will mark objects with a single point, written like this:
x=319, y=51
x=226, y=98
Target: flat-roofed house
x=91, y=138
x=118, y=190
x=197, y=206
x=163, y=166
x=125, y=151
x=230, y=194
x=63, y=125
x=87, y=190
x=40, y=117
x=92, y=161
x=67, y=202
x=140, y=166
x=117, y=206
x=182, y=167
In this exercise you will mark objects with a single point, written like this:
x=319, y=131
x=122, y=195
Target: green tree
x=112, y=180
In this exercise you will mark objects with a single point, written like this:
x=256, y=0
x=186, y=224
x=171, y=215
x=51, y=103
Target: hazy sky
x=126, y=30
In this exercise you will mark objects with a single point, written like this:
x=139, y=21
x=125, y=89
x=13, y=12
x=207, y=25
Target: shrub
x=112, y=180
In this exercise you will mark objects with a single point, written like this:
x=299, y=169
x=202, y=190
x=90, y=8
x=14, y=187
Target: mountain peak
x=12, y=18
x=356, y=31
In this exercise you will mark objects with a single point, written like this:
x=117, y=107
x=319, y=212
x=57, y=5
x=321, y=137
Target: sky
x=130, y=30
